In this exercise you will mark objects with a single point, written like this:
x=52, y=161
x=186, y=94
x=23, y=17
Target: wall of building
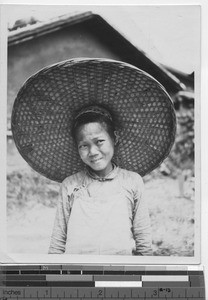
x=24, y=59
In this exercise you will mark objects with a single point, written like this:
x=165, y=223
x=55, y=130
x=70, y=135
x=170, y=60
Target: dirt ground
x=29, y=228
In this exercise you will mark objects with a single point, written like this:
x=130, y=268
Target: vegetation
x=28, y=186
x=182, y=155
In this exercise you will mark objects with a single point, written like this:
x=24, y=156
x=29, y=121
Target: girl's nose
x=93, y=150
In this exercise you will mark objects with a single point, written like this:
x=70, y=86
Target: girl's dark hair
x=92, y=117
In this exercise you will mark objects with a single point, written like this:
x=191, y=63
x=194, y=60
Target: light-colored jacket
x=125, y=185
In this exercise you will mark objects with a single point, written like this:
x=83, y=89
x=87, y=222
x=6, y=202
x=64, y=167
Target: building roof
x=41, y=28
x=111, y=37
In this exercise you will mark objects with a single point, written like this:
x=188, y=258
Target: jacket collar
x=109, y=176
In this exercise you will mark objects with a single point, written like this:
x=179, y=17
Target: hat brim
x=45, y=107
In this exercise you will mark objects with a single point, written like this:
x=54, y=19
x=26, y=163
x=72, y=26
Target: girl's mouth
x=94, y=161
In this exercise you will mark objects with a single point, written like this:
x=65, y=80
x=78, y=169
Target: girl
x=101, y=209
x=122, y=125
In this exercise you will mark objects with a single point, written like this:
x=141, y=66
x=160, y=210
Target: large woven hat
x=47, y=103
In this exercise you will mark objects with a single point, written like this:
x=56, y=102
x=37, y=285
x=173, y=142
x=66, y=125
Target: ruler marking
x=33, y=292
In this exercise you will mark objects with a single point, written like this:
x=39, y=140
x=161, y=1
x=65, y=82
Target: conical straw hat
x=47, y=103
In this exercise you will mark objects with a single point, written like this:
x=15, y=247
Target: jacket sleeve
x=141, y=221
x=59, y=233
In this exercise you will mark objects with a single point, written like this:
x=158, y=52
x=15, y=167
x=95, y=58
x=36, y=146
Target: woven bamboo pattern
x=45, y=106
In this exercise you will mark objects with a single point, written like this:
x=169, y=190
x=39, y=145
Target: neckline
x=111, y=175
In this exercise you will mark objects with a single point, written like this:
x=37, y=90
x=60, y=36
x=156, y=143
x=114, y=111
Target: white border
x=204, y=140
x=17, y=258
x=3, y=109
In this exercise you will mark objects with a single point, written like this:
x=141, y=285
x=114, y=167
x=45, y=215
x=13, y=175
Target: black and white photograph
x=103, y=131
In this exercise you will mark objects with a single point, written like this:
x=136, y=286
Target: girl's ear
x=116, y=137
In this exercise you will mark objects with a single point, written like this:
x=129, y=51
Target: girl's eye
x=82, y=147
x=100, y=142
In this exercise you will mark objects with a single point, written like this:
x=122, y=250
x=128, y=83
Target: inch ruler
x=103, y=293
x=99, y=282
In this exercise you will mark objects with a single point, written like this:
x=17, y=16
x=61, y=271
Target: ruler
x=95, y=282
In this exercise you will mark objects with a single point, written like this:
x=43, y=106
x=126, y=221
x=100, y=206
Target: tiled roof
x=41, y=28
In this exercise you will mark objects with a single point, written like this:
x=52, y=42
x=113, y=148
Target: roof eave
x=38, y=29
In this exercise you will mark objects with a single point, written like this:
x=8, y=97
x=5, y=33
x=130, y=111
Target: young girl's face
x=95, y=147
